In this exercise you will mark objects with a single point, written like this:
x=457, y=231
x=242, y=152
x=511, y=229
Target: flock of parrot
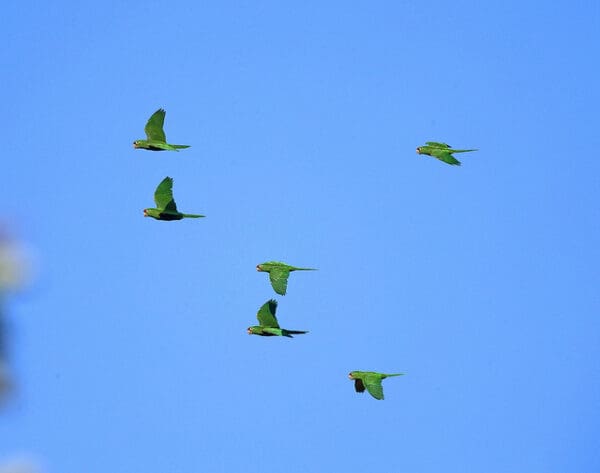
x=279, y=272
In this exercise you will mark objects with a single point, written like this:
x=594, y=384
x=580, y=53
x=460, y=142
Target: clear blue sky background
x=479, y=282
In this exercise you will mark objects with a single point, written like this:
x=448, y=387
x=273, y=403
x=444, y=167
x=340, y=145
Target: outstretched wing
x=163, y=196
x=279, y=279
x=154, y=127
x=373, y=385
x=266, y=314
x=435, y=144
x=359, y=386
x=446, y=157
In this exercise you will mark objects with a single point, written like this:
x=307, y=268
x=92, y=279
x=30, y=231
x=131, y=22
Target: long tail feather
x=288, y=333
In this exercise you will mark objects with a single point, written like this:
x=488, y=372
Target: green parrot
x=155, y=135
x=442, y=151
x=370, y=380
x=268, y=323
x=279, y=274
x=166, y=207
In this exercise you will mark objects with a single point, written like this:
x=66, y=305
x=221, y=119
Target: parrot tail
x=193, y=216
x=180, y=146
x=462, y=150
x=287, y=333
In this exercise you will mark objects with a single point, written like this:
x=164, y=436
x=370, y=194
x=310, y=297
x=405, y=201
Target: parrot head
x=351, y=375
x=154, y=213
x=253, y=330
x=136, y=144
x=268, y=266
x=419, y=150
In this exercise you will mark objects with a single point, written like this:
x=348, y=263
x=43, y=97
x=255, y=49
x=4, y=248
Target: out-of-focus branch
x=13, y=277
x=19, y=465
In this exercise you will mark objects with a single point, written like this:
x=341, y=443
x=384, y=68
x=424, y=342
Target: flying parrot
x=279, y=274
x=166, y=209
x=442, y=151
x=268, y=323
x=155, y=135
x=370, y=380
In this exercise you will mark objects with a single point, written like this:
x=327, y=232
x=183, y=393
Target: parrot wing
x=359, y=386
x=435, y=144
x=446, y=157
x=266, y=314
x=154, y=127
x=163, y=196
x=279, y=279
x=373, y=385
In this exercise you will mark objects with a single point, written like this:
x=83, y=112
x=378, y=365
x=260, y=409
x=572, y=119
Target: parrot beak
x=419, y=150
x=350, y=376
x=145, y=213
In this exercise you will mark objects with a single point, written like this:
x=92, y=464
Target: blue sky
x=479, y=282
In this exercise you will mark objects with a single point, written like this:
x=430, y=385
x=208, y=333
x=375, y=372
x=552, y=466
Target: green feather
x=446, y=157
x=268, y=323
x=442, y=151
x=279, y=279
x=266, y=314
x=371, y=380
x=154, y=126
x=163, y=196
x=156, y=140
x=279, y=273
x=435, y=144
x=165, y=203
x=373, y=385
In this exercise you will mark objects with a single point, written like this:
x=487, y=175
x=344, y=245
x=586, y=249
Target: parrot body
x=269, y=326
x=166, y=206
x=442, y=151
x=371, y=381
x=279, y=274
x=156, y=139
